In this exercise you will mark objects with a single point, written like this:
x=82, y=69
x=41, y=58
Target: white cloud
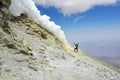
x=77, y=19
x=22, y=6
x=41, y=2
x=68, y=7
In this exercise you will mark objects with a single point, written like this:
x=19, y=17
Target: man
x=76, y=47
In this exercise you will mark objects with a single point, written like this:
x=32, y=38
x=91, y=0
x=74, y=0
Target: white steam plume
x=28, y=6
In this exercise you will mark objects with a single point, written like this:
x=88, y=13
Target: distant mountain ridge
x=108, y=51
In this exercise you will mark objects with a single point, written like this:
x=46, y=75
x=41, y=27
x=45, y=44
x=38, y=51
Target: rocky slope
x=30, y=52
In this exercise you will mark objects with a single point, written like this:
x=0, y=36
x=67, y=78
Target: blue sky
x=97, y=23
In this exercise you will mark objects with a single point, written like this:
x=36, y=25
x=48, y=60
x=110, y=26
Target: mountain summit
x=30, y=52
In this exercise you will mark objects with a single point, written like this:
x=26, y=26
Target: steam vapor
x=28, y=7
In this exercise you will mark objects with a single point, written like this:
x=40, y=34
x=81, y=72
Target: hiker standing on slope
x=76, y=47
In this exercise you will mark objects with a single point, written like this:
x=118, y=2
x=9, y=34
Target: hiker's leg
x=77, y=49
